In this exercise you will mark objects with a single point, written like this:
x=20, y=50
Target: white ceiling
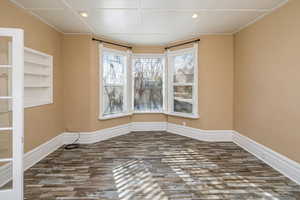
x=149, y=21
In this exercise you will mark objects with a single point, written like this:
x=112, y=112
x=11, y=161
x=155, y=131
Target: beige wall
x=43, y=122
x=82, y=85
x=267, y=80
x=77, y=68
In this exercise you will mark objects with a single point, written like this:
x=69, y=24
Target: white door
x=11, y=113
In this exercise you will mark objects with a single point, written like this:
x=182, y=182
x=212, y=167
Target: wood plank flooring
x=156, y=166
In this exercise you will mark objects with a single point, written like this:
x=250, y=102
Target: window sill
x=149, y=112
x=114, y=116
x=190, y=116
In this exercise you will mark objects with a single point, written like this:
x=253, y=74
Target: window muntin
x=114, y=82
x=148, y=84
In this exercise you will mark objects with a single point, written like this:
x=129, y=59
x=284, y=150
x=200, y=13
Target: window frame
x=170, y=56
x=126, y=96
x=137, y=56
x=168, y=82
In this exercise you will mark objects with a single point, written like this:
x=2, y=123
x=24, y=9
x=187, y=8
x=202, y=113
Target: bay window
x=146, y=84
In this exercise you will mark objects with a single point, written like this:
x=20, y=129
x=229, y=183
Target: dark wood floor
x=156, y=166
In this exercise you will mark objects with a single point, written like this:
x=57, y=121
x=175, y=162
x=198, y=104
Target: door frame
x=17, y=98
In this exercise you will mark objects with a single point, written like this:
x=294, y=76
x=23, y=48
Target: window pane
x=113, y=83
x=5, y=113
x=5, y=144
x=5, y=81
x=113, y=69
x=184, y=68
x=8, y=166
x=148, y=84
x=113, y=99
x=183, y=99
x=5, y=50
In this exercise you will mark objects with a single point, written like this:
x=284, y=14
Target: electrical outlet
x=184, y=123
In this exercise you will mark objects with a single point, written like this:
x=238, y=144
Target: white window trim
x=147, y=55
x=137, y=56
x=149, y=112
x=126, y=107
x=184, y=115
x=129, y=82
x=171, y=84
x=113, y=116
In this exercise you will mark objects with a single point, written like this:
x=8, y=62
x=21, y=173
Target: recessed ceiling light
x=84, y=14
x=194, y=16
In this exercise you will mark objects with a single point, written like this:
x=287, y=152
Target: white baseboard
x=149, y=126
x=198, y=134
x=37, y=154
x=105, y=134
x=96, y=136
x=31, y=158
x=279, y=162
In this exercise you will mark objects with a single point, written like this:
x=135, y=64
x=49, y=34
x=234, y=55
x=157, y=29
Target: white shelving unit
x=38, y=78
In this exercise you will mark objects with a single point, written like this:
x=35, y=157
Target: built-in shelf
x=38, y=83
x=34, y=102
x=42, y=64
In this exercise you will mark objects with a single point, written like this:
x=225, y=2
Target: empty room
x=149, y=99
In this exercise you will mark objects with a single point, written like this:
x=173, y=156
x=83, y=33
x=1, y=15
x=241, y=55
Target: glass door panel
x=6, y=141
x=5, y=50
x=6, y=144
x=6, y=182
x=5, y=113
x=5, y=81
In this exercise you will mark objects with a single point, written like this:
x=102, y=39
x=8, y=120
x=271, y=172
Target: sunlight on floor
x=185, y=163
x=133, y=179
